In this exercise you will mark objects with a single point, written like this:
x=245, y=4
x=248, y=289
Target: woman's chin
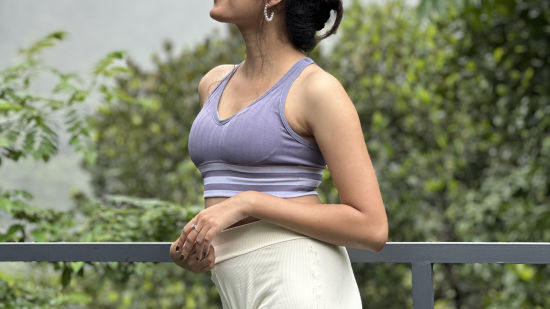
x=216, y=16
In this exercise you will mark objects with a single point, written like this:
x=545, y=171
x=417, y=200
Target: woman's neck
x=267, y=53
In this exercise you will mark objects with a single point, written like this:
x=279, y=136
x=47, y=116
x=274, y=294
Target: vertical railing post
x=422, y=285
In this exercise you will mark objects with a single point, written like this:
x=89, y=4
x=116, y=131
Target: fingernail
x=177, y=248
x=182, y=257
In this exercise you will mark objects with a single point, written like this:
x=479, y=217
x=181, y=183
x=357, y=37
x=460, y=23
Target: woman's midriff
x=211, y=201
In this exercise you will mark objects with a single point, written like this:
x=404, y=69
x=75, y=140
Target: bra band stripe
x=261, y=188
x=265, y=181
x=217, y=166
x=226, y=173
x=283, y=194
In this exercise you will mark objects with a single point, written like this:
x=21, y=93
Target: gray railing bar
x=422, y=285
x=393, y=252
x=86, y=252
x=457, y=252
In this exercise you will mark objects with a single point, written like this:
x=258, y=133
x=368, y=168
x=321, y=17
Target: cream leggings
x=262, y=265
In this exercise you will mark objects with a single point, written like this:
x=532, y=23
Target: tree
x=26, y=118
x=456, y=120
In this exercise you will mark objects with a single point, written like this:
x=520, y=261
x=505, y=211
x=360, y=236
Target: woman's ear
x=272, y=3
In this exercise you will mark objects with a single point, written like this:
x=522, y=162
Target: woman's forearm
x=339, y=224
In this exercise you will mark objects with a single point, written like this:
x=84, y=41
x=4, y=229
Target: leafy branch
x=26, y=125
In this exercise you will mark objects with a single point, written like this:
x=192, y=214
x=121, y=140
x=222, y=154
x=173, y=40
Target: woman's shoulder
x=211, y=79
x=319, y=86
x=318, y=100
x=317, y=77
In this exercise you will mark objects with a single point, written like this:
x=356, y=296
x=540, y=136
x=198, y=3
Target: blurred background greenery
x=454, y=102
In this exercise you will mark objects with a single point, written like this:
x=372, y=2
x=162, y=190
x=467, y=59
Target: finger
x=181, y=243
x=176, y=255
x=172, y=247
x=184, y=250
x=211, y=262
x=189, y=240
x=204, y=259
x=201, y=244
x=207, y=263
x=185, y=264
x=187, y=229
x=209, y=235
x=210, y=250
x=184, y=232
x=179, y=249
x=173, y=253
x=194, y=261
x=193, y=250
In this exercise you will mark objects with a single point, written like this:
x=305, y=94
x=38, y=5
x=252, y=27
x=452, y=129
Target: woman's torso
x=228, y=106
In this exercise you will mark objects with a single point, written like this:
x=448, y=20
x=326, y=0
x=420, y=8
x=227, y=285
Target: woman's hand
x=195, y=262
x=199, y=231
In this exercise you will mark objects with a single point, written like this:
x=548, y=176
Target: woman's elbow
x=376, y=237
x=382, y=238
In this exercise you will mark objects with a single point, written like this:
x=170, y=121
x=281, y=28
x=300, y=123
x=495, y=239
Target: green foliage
x=112, y=218
x=109, y=218
x=456, y=120
x=17, y=292
x=121, y=218
x=34, y=223
x=25, y=128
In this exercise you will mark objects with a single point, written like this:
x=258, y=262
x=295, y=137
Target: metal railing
x=421, y=256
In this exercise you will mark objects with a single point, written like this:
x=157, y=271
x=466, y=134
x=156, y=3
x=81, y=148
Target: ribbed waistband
x=249, y=237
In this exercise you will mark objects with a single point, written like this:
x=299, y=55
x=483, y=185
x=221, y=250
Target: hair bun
x=333, y=4
x=321, y=21
x=305, y=17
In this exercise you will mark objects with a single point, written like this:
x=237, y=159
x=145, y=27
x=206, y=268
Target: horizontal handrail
x=457, y=252
x=393, y=252
x=421, y=256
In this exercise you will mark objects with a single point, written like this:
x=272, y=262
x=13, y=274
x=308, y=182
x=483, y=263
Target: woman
x=267, y=129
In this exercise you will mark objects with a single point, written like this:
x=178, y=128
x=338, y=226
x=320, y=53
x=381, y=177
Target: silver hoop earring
x=268, y=18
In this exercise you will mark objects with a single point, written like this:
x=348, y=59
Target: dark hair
x=305, y=17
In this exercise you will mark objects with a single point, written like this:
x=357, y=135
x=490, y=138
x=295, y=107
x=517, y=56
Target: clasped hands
x=193, y=249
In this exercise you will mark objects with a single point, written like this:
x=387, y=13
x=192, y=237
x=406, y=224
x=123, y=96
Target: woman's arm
x=359, y=221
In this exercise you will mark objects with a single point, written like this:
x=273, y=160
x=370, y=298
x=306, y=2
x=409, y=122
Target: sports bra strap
x=293, y=74
x=304, y=62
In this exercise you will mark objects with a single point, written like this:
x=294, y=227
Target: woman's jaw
x=239, y=12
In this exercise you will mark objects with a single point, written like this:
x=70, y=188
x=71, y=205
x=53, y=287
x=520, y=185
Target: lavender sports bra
x=255, y=149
